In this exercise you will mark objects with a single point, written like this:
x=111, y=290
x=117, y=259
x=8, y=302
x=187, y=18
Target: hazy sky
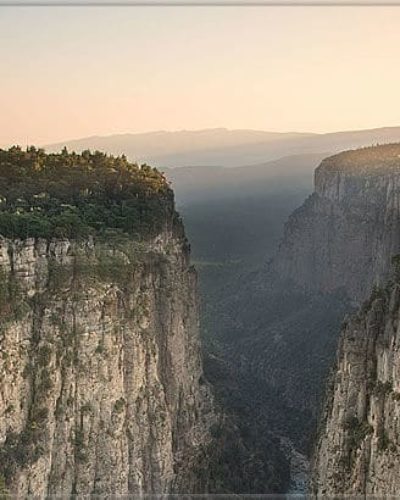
x=72, y=72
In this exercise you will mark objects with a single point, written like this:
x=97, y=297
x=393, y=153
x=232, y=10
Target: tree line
x=70, y=195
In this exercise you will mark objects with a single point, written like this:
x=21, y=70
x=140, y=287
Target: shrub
x=383, y=440
x=3, y=488
x=383, y=388
x=44, y=355
x=119, y=405
x=357, y=431
x=45, y=383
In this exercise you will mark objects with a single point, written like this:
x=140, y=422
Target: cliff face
x=101, y=387
x=358, y=445
x=356, y=452
x=345, y=234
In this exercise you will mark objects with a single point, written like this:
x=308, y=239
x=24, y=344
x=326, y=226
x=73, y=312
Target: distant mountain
x=230, y=148
x=158, y=147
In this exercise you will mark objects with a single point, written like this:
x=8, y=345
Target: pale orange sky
x=73, y=72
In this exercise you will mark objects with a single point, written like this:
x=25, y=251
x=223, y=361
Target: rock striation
x=101, y=386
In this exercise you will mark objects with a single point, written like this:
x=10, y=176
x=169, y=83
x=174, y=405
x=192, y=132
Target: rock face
x=358, y=445
x=357, y=448
x=101, y=387
x=345, y=234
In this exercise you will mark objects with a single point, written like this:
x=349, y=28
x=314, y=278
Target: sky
x=69, y=72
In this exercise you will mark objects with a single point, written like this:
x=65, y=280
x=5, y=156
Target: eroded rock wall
x=345, y=234
x=358, y=450
x=101, y=388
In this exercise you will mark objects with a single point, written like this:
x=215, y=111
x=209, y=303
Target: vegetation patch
x=79, y=444
x=12, y=303
x=383, y=440
x=383, y=388
x=44, y=355
x=120, y=405
x=3, y=488
x=20, y=450
x=45, y=383
x=104, y=265
x=71, y=195
x=357, y=431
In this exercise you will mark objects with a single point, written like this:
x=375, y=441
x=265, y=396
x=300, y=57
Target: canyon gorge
x=102, y=387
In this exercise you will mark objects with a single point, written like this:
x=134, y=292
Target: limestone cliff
x=345, y=234
x=101, y=381
x=358, y=445
x=356, y=452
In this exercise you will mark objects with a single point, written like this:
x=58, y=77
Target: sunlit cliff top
x=373, y=159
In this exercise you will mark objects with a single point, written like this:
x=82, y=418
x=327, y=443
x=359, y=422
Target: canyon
x=102, y=387
x=279, y=329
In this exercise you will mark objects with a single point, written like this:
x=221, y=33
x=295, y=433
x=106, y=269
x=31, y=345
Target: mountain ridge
x=226, y=147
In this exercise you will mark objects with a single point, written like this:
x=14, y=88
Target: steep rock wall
x=358, y=450
x=101, y=388
x=346, y=232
